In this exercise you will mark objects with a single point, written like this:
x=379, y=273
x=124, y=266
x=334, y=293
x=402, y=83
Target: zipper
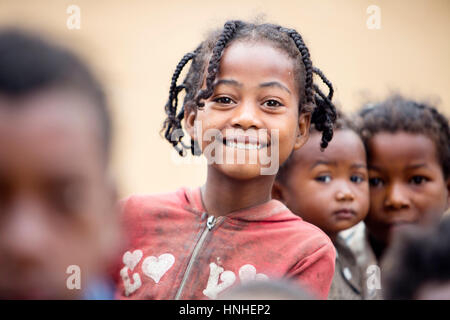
x=210, y=223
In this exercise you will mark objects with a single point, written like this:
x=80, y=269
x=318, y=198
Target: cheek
x=376, y=197
x=207, y=125
x=363, y=199
x=363, y=194
x=309, y=199
x=431, y=203
x=375, y=204
x=287, y=136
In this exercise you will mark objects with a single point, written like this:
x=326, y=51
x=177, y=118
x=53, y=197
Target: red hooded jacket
x=177, y=251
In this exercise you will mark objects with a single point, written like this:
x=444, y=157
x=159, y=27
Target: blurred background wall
x=134, y=46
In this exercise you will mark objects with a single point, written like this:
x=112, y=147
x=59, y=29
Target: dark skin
x=57, y=203
x=407, y=185
x=328, y=189
x=256, y=91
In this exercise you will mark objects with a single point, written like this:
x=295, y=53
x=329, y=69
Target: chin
x=240, y=171
x=344, y=225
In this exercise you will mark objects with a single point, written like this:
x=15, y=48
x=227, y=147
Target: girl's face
x=329, y=189
x=255, y=95
x=406, y=183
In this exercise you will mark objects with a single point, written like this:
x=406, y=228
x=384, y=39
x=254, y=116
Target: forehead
x=256, y=61
x=401, y=148
x=345, y=147
x=55, y=127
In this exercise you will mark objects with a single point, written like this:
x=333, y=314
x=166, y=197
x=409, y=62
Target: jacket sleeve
x=315, y=272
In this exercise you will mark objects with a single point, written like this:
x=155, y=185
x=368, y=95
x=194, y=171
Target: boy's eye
x=272, y=103
x=223, y=100
x=418, y=180
x=324, y=178
x=375, y=182
x=65, y=197
x=356, y=179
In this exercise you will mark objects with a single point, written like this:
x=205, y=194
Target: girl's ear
x=278, y=192
x=189, y=116
x=304, y=122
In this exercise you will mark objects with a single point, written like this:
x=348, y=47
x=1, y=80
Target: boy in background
x=408, y=156
x=57, y=201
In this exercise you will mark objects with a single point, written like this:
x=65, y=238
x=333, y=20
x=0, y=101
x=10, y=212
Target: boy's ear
x=278, y=192
x=189, y=116
x=304, y=122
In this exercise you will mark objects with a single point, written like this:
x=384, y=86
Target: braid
x=298, y=40
x=173, y=121
x=229, y=30
x=326, y=81
x=324, y=115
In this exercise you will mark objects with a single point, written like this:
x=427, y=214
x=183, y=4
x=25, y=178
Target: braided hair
x=206, y=58
x=397, y=114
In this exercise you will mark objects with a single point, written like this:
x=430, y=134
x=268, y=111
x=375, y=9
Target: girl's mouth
x=245, y=146
x=244, y=143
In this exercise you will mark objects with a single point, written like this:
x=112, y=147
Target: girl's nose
x=246, y=116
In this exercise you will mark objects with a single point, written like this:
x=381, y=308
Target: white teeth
x=241, y=145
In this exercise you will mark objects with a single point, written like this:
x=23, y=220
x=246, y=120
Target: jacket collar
x=264, y=211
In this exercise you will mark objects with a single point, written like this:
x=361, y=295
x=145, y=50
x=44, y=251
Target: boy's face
x=255, y=93
x=407, y=184
x=56, y=208
x=328, y=189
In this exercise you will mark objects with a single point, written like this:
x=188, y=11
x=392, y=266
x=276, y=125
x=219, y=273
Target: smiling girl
x=250, y=88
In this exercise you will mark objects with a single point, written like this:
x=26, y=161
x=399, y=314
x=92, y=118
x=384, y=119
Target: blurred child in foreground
x=56, y=195
x=418, y=264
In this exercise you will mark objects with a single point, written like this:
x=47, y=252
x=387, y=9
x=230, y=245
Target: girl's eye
x=418, y=180
x=375, y=182
x=324, y=179
x=356, y=179
x=272, y=103
x=223, y=100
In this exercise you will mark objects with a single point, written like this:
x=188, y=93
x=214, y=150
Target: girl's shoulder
x=138, y=203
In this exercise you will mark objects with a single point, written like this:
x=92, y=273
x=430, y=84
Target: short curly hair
x=397, y=114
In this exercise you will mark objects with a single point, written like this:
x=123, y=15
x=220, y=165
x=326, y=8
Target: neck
x=332, y=236
x=222, y=195
x=378, y=246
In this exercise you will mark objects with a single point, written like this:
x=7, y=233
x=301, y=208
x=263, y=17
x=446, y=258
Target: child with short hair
x=250, y=87
x=58, y=226
x=330, y=190
x=408, y=146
